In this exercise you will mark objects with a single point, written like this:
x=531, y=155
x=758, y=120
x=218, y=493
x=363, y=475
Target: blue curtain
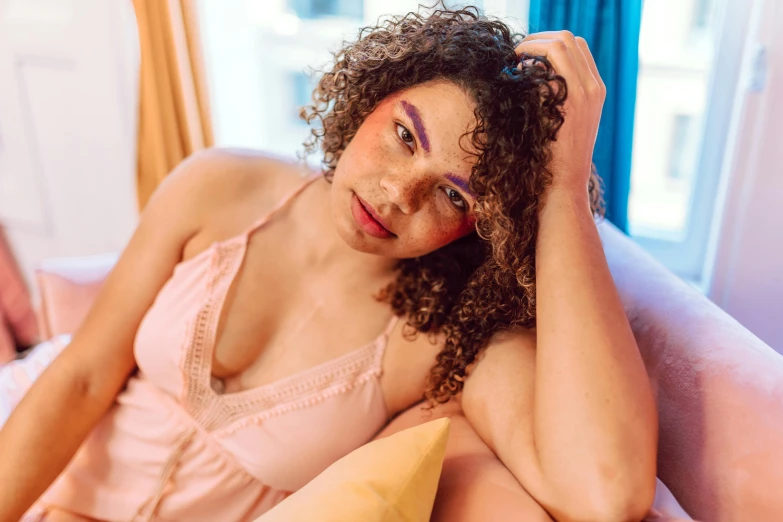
x=611, y=29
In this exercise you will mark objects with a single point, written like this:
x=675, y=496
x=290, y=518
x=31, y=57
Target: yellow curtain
x=174, y=117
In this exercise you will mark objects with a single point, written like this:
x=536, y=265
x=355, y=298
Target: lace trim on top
x=230, y=412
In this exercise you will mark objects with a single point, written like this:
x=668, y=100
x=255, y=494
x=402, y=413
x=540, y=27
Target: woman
x=228, y=331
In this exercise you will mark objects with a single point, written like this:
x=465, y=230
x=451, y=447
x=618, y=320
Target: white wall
x=747, y=274
x=68, y=106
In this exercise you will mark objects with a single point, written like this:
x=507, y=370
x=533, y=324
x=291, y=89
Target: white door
x=68, y=105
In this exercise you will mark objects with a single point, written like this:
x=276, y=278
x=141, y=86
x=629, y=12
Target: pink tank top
x=172, y=448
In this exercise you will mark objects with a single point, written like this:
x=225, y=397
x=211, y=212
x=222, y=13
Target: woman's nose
x=404, y=191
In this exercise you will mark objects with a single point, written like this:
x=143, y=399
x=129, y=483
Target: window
x=701, y=13
x=683, y=148
x=323, y=8
x=686, y=86
x=302, y=86
x=452, y=4
x=262, y=59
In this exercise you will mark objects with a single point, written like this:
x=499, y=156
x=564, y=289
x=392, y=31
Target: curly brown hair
x=485, y=282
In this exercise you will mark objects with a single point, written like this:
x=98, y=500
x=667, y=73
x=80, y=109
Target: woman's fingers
x=559, y=56
x=571, y=155
x=570, y=57
x=588, y=55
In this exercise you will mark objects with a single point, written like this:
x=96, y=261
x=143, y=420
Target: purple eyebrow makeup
x=413, y=114
x=461, y=183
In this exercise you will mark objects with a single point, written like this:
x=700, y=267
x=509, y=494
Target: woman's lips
x=366, y=218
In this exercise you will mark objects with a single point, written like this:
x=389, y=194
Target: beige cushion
x=389, y=480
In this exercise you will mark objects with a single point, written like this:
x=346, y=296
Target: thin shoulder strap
x=390, y=327
x=382, y=342
x=282, y=204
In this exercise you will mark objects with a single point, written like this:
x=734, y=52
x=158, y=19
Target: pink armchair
x=17, y=319
x=719, y=391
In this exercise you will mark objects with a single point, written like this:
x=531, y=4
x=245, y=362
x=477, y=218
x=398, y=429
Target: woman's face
x=400, y=189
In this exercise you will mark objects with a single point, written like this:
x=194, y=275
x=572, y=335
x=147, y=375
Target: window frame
x=687, y=255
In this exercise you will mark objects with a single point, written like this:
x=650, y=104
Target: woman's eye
x=405, y=135
x=456, y=198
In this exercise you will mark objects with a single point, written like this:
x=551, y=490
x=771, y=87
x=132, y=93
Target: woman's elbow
x=629, y=502
x=620, y=504
x=632, y=509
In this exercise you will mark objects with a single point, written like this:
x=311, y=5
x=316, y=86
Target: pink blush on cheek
x=467, y=226
x=444, y=237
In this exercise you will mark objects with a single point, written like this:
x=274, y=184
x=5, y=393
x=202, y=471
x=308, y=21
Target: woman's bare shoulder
x=231, y=188
x=233, y=174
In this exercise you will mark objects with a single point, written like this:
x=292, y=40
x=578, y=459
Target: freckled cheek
x=445, y=235
x=371, y=151
x=372, y=133
x=362, y=162
x=466, y=226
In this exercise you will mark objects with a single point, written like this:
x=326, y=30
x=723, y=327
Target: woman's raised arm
x=569, y=408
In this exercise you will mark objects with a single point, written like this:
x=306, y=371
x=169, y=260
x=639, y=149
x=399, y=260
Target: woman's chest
x=279, y=318
x=272, y=319
x=309, y=322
